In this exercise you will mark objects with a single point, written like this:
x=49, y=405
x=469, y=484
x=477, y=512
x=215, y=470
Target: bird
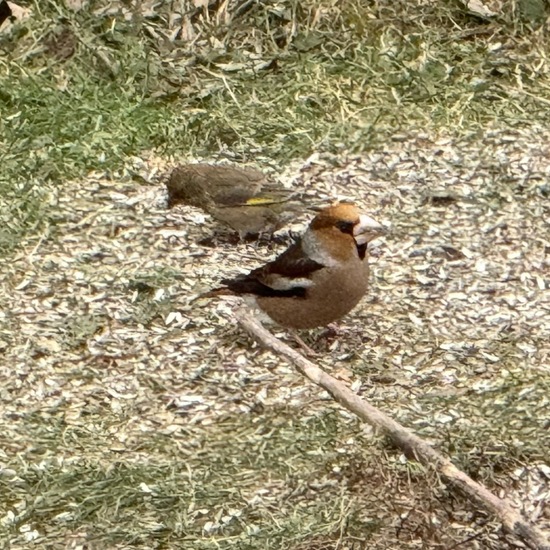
x=320, y=278
x=240, y=198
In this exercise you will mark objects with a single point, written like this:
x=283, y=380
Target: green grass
x=273, y=84
x=173, y=492
x=166, y=494
x=262, y=480
x=347, y=77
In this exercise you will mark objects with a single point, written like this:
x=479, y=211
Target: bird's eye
x=345, y=227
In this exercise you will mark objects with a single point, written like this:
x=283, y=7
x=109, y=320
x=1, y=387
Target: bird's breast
x=335, y=292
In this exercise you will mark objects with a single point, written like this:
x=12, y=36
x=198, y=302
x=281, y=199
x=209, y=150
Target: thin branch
x=412, y=445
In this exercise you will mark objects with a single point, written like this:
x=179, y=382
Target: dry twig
x=412, y=445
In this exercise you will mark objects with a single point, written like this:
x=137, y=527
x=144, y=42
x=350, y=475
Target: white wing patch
x=278, y=282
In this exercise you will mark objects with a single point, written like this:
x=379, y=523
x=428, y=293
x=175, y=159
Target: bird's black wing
x=291, y=264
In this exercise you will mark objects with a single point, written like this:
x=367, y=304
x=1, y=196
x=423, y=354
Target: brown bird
x=320, y=278
x=240, y=198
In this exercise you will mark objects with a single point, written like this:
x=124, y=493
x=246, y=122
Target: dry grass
x=255, y=81
x=132, y=420
x=131, y=416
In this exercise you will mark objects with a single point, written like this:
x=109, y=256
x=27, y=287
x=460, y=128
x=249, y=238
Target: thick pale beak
x=367, y=230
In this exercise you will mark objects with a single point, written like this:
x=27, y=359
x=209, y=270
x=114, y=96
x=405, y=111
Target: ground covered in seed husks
x=134, y=418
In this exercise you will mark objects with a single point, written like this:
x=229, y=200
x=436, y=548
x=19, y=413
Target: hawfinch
x=240, y=198
x=320, y=278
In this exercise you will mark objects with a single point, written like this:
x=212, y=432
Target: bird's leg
x=333, y=332
x=305, y=348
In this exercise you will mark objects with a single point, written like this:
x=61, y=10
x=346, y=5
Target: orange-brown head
x=342, y=229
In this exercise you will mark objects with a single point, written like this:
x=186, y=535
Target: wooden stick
x=412, y=445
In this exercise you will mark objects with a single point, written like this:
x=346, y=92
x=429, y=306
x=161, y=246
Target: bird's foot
x=304, y=347
x=333, y=335
x=332, y=331
x=213, y=241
